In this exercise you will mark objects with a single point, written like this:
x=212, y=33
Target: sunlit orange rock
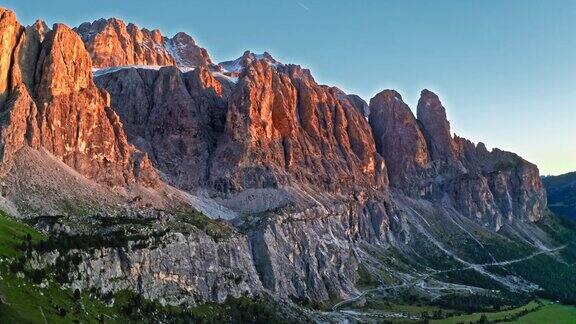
x=113, y=43
x=60, y=109
x=282, y=127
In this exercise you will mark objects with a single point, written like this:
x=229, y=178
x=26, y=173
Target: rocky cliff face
x=398, y=138
x=312, y=254
x=286, y=116
x=275, y=127
x=283, y=127
x=391, y=122
x=175, y=117
x=424, y=159
x=187, y=268
x=113, y=43
x=47, y=84
x=514, y=182
x=8, y=37
x=432, y=116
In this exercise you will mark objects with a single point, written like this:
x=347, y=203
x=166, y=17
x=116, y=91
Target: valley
x=41, y=298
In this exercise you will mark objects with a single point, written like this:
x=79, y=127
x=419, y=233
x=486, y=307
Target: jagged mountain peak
x=6, y=13
x=432, y=115
x=88, y=30
x=186, y=52
x=360, y=104
x=429, y=104
x=236, y=66
x=398, y=137
x=388, y=95
x=111, y=42
x=40, y=26
x=429, y=95
x=62, y=46
x=255, y=56
x=183, y=37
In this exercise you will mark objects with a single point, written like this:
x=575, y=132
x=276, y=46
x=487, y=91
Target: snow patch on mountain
x=237, y=65
x=96, y=72
x=175, y=50
x=232, y=66
x=224, y=76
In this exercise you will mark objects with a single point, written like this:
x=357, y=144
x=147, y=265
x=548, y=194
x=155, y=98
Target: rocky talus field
x=141, y=181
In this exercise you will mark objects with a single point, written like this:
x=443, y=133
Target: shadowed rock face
x=113, y=43
x=359, y=104
x=398, y=137
x=424, y=160
x=174, y=117
x=432, y=116
x=53, y=103
x=514, y=183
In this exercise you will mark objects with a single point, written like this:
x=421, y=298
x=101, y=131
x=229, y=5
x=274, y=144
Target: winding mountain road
x=420, y=281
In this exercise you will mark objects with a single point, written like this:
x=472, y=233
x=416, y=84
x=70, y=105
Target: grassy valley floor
x=535, y=312
x=551, y=313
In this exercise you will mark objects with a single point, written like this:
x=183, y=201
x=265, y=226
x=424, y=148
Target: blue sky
x=505, y=70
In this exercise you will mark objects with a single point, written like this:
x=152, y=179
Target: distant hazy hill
x=562, y=194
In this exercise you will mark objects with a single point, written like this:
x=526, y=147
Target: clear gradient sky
x=505, y=70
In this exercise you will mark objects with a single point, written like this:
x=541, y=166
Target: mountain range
x=150, y=170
